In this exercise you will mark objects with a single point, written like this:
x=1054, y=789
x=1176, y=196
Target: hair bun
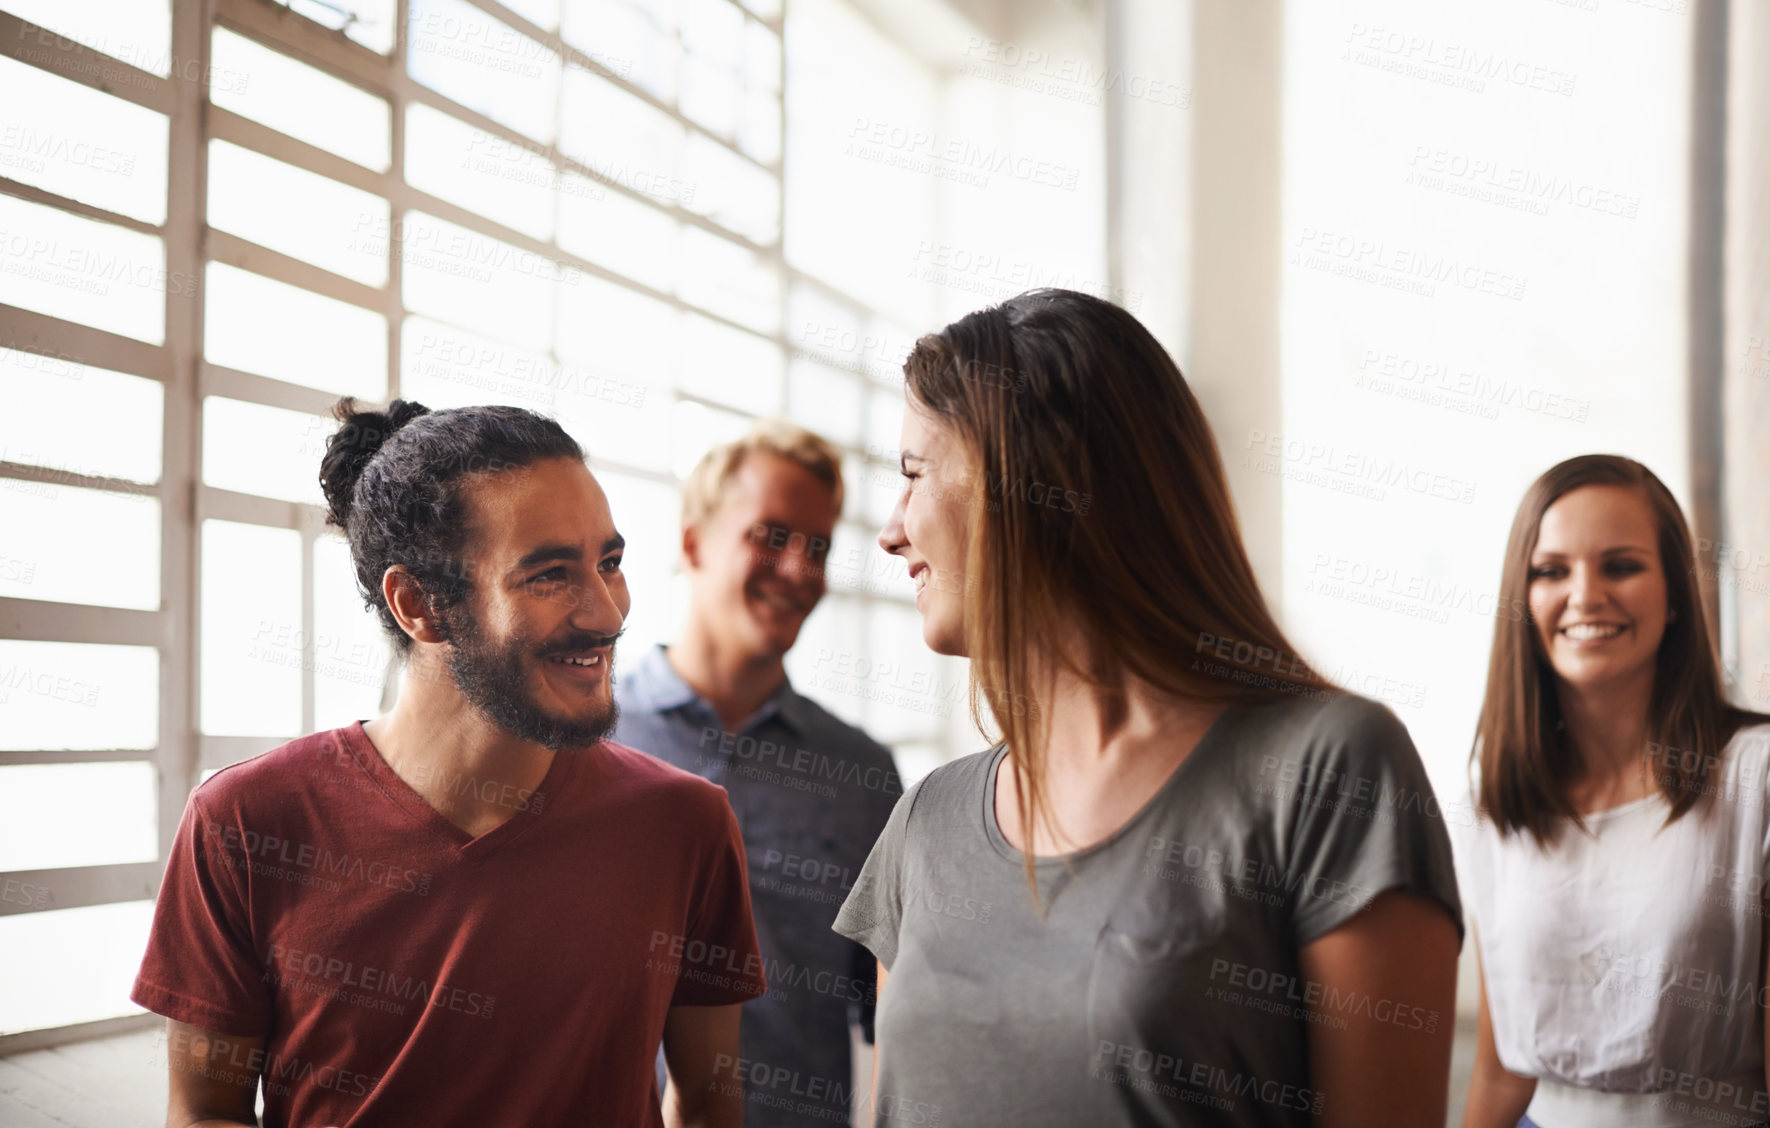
x=349, y=449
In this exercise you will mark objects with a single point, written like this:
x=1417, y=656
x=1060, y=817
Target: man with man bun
x=476, y=909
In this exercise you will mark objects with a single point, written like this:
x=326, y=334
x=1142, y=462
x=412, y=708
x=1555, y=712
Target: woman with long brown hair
x=1193, y=884
x=1615, y=872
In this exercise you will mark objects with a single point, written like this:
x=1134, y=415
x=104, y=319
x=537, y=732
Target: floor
x=120, y=1082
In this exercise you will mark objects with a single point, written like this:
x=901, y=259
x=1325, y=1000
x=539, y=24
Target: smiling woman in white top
x=1615, y=871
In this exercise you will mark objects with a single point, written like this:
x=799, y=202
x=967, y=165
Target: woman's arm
x=1497, y=1096
x=1385, y=987
x=878, y=991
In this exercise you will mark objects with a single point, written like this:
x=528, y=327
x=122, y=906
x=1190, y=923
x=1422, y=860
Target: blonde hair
x=710, y=481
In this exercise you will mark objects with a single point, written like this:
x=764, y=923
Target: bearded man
x=476, y=909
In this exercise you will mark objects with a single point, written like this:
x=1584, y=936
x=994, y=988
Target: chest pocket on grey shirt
x=1169, y=998
x=1151, y=962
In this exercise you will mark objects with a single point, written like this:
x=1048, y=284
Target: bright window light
x=1484, y=236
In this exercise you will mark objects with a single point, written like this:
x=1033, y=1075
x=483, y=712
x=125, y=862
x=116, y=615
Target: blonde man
x=811, y=792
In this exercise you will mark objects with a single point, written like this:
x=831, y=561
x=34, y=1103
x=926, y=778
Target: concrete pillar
x=1195, y=223
x=1744, y=565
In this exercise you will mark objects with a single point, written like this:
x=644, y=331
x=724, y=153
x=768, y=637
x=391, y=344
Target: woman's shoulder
x=1745, y=758
x=957, y=779
x=1332, y=724
x=1336, y=751
x=1751, y=740
x=952, y=789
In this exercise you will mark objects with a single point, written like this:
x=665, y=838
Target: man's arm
x=214, y=1078
x=862, y=1011
x=706, y=1087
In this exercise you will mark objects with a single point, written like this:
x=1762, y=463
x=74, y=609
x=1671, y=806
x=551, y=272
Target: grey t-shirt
x=1163, y=985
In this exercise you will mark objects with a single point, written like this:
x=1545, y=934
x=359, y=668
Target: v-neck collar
x=467, y=847
x=1205, y=746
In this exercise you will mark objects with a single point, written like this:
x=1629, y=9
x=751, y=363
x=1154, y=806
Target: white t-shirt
x=1627, y=959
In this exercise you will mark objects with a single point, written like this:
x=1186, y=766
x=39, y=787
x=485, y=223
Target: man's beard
x=494, y=681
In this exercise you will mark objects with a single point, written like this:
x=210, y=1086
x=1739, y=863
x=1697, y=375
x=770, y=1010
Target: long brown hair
x=1103, y=506
x=1525, y=763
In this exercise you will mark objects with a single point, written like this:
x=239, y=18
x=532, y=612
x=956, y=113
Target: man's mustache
x=580, y=642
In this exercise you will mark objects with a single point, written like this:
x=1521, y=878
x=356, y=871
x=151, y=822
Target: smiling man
x=811, y=792
x=475, y=909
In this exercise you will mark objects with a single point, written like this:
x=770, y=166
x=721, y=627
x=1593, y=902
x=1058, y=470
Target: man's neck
x=734, y=681
x=464, y=766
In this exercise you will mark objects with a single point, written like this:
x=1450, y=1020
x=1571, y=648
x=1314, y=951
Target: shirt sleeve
x=1760, y=752
x=874, y=908
x=865, y=972
x=721, y=957
x=1361, y=819
x=201, y=966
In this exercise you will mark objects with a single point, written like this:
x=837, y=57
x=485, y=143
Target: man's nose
x=594, y=608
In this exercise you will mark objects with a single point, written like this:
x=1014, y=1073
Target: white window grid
x=182, y=753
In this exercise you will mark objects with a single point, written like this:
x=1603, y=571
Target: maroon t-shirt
x=404, y=972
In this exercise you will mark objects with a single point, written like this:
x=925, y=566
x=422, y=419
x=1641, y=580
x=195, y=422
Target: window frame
x=182, y=753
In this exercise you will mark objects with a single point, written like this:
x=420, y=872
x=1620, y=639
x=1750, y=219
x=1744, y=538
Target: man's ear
x=691, y=546
x=410, y=605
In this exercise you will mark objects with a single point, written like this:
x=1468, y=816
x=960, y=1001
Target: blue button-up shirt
x=811, y=794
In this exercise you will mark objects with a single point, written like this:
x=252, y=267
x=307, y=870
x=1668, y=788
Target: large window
x=1485, y=270
x=217, y=216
